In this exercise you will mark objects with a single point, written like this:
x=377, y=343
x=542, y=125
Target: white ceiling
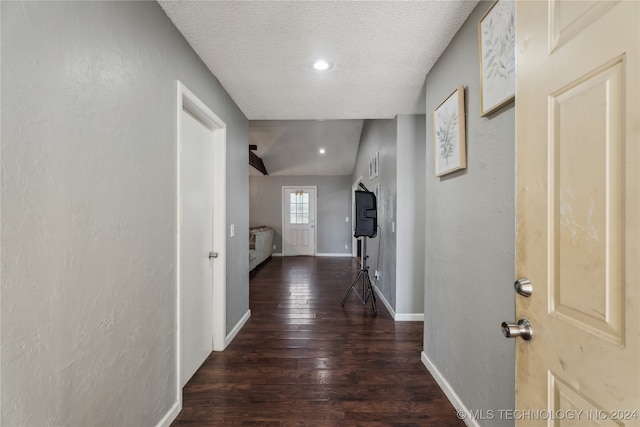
x=261, y=52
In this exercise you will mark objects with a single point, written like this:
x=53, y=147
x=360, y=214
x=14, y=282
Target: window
x=299, y=208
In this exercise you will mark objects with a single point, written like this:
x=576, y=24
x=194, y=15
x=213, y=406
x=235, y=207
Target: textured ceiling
x=261, y=52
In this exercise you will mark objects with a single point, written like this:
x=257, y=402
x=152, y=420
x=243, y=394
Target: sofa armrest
x=261, y=243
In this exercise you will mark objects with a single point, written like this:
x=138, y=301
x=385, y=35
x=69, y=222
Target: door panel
x=569, y=18
x=196, y=240
x=578, y=205
x=585, y=181
x=299, y=213
x=292, y=237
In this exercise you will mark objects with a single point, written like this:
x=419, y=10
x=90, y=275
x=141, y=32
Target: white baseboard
x=448, y=390
x=231, y=335
x=398, y=317
x=337, y=254
x=381, y=297
x=171, y=415
x=409, y=317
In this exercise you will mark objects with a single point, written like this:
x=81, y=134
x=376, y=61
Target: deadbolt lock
x=523, y=287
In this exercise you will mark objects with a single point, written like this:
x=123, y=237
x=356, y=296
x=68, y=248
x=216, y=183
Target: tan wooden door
x=578, y=215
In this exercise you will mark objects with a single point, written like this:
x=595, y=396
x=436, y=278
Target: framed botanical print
x=497, y=47
x=449, y=133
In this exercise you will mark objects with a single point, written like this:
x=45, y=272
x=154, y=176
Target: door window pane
x=299, y=207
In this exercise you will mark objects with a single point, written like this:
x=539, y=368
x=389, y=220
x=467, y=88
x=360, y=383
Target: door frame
x=187, y=101
x=315, y=214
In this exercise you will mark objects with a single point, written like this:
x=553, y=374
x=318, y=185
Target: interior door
x=578, y=212
x=299, y=218
x=196, y=241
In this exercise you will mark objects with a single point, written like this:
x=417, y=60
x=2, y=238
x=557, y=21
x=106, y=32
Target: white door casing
x=201, y=196
x=578, y=216
x=298, y=221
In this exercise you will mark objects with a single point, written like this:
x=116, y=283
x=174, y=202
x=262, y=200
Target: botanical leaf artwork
x=498, y=54
x=449, y=141
x=499, y=41
x=446, y=132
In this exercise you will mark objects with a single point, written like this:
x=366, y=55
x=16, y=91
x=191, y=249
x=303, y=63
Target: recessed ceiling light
x=321, y=151
x=321, y=65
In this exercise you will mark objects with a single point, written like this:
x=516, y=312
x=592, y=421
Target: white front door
x=299, y=219
x=578, y=212
x=196, y=241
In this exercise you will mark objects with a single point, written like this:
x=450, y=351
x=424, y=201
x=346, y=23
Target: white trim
x=409, y=317
x=315, y=214
x=237, y=328
x=335, y=254
x=448, y=390
x=171, y=415
x=220, y=240
x=186, y=100
x=277, y=254
x=381, y=297
x=398, y=317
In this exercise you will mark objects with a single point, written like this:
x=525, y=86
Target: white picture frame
x=374, y=166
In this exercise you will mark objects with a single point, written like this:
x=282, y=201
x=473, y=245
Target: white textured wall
x=89, y=210
x=470, y=240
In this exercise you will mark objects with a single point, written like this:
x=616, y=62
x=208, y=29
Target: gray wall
x=380, y=136
x=470, y=239
x=410, y=216
x=89, y=210
x=398, y=250
x=333, y=206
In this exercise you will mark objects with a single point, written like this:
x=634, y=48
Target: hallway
x=302, y=359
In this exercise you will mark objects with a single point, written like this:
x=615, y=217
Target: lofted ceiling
x=262, y=51
x=292, y=147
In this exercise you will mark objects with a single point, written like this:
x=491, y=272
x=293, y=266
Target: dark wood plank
x=303, y=359
x=257, y=162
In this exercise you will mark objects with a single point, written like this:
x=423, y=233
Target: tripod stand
x=367, y=289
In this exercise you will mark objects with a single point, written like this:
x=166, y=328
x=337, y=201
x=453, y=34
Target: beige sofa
x=260, y=245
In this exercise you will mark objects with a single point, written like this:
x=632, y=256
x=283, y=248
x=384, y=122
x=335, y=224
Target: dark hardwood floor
x=303, y=359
